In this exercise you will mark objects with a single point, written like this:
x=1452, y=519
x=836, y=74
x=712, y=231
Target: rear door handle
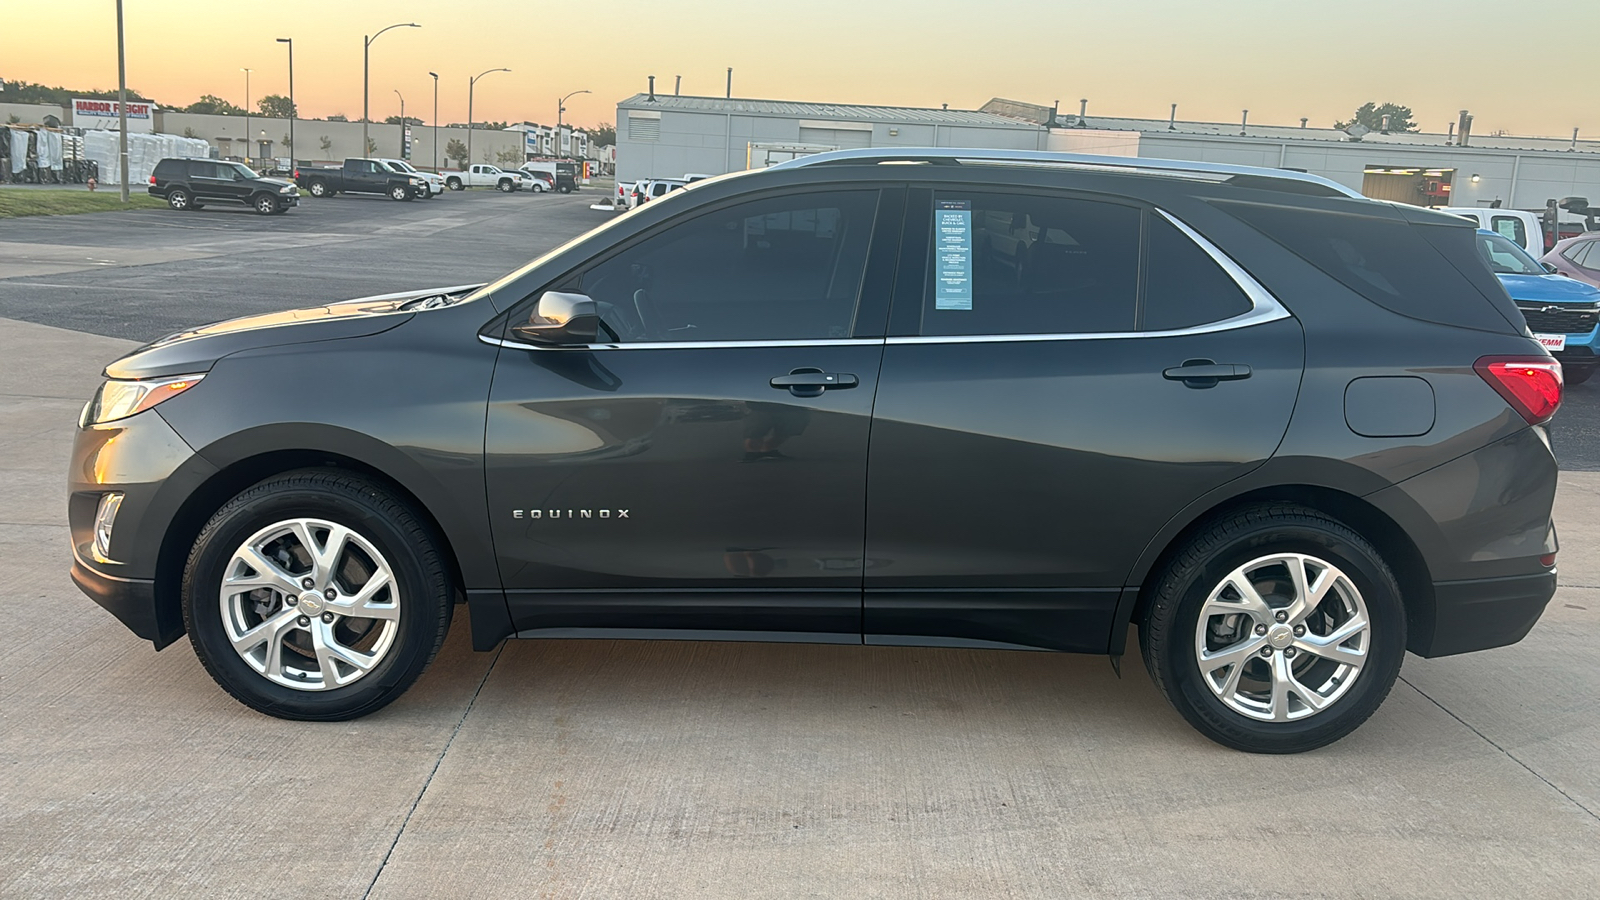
x=806, y=382
x=1204, y=373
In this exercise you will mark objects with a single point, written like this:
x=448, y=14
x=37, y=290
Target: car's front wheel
x=266, y=204
x=1275, y=629
x=399, y=192
x=316, y=595
x=506, y=186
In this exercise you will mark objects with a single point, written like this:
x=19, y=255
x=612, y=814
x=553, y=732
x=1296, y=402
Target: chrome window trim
x=1264, y=308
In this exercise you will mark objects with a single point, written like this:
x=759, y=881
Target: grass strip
x=16, y=202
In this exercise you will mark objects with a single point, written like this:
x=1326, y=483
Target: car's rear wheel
x=455, y=184
x=1276, y=629
x=316, y=595
x=266, y=204
x=179, y=199
x=319, y=188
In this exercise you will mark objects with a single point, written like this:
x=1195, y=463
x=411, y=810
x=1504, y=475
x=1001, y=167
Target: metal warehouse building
x=669, y=136
x=660, y=136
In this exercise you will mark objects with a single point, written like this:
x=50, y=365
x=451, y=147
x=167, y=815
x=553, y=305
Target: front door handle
x=1205, y=373
x=807, y=382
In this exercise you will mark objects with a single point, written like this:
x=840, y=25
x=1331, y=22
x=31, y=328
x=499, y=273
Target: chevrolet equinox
x=945, y=398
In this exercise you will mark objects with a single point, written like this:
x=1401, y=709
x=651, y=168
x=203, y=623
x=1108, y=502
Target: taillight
x=152, y=179
x=1531, y=384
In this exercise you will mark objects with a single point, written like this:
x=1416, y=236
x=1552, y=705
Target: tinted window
x=1425, y=271
x=1510, y=226
x=1579, y=253
x=1505, y=257
x=1026, y=264
x=1183, y=285
x=782, y=268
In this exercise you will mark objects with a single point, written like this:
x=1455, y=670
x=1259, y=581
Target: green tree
x=327, y=143
x=602, y=135
x=337, y=117
x=395, y=120
x=456, y=150
x=1371, y=115
x=213, y=105
x=509, y=155
x=25, y=92
x=372, y=146
x=276, y=106
x=190, y=133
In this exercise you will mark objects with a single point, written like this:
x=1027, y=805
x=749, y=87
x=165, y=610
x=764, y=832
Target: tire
x=506, y=186
x=399, y=192
x=319, y=188
x=265, y=204
x=1248, y=710
x=564, y=189
x=285, y=675
x=1576, y=374
x=455, y=184
x=179, y=199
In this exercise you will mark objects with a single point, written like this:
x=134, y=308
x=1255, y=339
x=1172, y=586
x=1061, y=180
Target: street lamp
x=246, y=116
x=470, y=83
x=293, y=110
x=561, y=107
x=122, y=107
x=366, y=44
x=435, y=120
x=402, y=122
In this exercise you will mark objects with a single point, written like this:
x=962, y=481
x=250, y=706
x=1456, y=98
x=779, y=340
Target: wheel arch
x=1382, y=526
x=231, y=479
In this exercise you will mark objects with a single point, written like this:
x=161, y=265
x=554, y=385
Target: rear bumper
x=1483, y=613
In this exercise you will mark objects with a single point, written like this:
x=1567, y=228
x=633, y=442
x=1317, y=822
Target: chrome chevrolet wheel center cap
x=1280, y=636
x=311, y=603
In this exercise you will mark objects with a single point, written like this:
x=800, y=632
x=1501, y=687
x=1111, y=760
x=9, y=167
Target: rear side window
x=1511, y=227
x=1579, y=253
x=1428, y=272
x=1026, y=264
x=1184, y=286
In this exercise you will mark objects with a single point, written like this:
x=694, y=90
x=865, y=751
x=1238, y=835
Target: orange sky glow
x=1281, y=60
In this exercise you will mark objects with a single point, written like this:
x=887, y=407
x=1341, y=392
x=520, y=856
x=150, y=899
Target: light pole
x=365, y=46
x=470, y=83
x=561, y=107
x=246, y=116
x=402, y=122
x=435, y=120
x=293, y=110
x=122, y=107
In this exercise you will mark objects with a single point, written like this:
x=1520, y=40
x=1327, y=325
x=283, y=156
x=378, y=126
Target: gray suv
x=949, y=398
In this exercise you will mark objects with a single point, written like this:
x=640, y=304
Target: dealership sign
x=87, y=113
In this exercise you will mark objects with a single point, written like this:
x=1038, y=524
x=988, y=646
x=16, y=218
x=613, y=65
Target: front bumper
x=287, y=200
x=132, y=601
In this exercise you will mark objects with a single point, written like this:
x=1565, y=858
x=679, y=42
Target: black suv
x=1289, y=432
x=192, y=183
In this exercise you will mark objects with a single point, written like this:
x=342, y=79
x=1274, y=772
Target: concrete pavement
x=618, y=769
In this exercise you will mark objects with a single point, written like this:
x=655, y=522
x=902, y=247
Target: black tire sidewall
x=1179, y=672
x=421, y=602
x=179, y=199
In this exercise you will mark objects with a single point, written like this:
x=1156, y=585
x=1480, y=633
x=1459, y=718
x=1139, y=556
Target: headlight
x=415, y=182
x=286, y=189
x=120, y=399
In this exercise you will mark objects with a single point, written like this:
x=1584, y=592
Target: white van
x=1522, y=228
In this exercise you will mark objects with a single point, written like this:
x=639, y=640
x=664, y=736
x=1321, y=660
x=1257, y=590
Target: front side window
x=780, y=268
x=1505, y=257
x=1026, y=264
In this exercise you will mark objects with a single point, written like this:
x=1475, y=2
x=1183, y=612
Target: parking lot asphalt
x=625, y=769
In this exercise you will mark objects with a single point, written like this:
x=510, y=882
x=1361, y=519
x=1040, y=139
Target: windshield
x=1505, y=257
x=402, y=165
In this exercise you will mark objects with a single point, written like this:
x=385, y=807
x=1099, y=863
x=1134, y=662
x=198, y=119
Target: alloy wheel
x=1282, y=637
x=310, y=604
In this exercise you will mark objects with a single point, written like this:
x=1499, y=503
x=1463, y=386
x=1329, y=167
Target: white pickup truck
x=484, y=175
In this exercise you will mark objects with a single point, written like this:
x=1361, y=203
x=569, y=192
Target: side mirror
x=1551, y=268
x=560, y=318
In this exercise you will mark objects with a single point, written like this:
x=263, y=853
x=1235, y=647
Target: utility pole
x=122, y=105
x=402, y=122
x=471, y=83
x=365, y=55
x=246, y=116
x=293, y=110
x=561, y=107
x=435, y=120
x=730, y=82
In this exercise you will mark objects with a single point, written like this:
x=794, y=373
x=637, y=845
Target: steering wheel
x=620, y=321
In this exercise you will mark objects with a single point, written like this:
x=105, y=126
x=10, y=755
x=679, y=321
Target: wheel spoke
x=270, y=632
x=268, y=574
x=1249, y=602
x=1332, y=646
x=330, y=652
x=361, y=605
x=325, y=556
x=1308, y=594
x=1233, y=654
x=1282, y=682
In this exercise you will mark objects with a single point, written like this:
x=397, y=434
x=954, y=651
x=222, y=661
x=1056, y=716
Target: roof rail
x=955, y=155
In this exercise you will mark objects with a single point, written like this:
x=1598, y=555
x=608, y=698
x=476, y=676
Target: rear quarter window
x=1430, y=272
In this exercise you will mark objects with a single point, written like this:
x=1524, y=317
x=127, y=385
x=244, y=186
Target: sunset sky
x=1281, y=59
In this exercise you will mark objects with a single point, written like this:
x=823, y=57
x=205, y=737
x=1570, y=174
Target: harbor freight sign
x=102, y=114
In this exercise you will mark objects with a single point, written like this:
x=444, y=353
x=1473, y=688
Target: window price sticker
x=952, y=252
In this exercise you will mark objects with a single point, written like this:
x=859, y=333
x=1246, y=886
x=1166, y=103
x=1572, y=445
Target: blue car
x=1563, y=313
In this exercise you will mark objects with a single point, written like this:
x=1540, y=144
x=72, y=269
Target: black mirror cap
x=560, y=318
x=1551, y=268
